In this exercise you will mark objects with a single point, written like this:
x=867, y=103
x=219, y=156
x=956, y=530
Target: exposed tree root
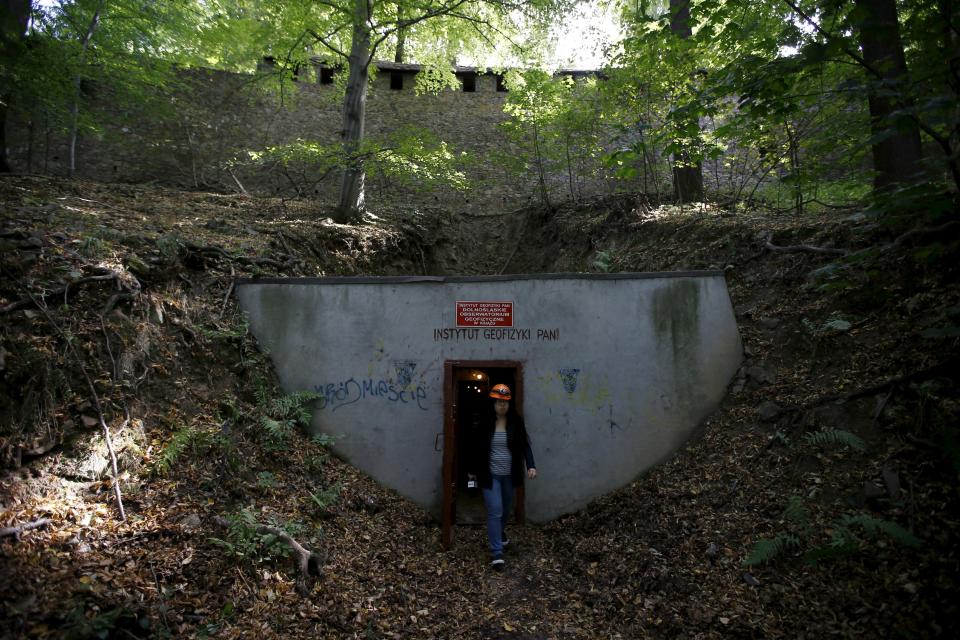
x=209, y=251
x=923, y=232
x=40, y=303
x=309, y=563
x=62, y=291
x=17, y=531
x=18, y=455
x=911, y=236
x=797, y=248
x=937, y=369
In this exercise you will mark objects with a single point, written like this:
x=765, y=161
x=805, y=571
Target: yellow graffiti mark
x=589, y=393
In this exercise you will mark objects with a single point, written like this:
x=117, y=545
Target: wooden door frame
x=449, y=491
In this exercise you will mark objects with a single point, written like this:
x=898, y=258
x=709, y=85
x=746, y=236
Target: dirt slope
x=138, y=281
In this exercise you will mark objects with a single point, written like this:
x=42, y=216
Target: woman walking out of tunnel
x=501, y=450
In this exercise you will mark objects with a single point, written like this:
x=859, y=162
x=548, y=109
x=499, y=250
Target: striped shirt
x=500, y=457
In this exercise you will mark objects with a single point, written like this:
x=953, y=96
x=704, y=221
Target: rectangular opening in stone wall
x=501, y=84
x=266, y=64
x=469, y=82
x=326, y=75
x=396, y=80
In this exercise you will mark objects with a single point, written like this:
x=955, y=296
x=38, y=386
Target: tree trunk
x=399, y=54
x=351, y=204
x=14, y=18
x=77, y=83
x=896, y=147
x=401, y=42
x=687, y=174
x=4, y=165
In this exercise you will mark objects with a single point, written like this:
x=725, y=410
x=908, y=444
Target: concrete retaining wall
x=618, y=369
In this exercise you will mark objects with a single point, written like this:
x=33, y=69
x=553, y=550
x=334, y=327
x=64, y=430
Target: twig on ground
x=226, y=296
x=17, y=531
x=883, y=404
x=239, y=185
x=20, y=454
x=218, y=251
x=64, y=290
x=93, y=392
x=163, y=609
x=309, y=563
x=947, y=366
x=106, y=339
x=924, y=232
x=797, y=248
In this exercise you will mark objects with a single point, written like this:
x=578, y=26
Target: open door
x=466, y=384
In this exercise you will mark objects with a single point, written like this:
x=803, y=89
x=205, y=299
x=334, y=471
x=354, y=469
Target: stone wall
x=189, y=137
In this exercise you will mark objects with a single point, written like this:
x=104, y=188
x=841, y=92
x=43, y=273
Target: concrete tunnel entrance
x=614, y=372
x=466, y=407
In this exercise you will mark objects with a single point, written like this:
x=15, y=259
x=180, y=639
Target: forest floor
x=838, y=443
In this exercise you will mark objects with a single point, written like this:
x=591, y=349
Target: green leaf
x=827, y=437
x=766, y=549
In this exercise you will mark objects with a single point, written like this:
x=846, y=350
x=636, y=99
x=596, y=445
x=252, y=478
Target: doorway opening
x=467, y=407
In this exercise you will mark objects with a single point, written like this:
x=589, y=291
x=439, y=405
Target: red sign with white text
x=484, y=314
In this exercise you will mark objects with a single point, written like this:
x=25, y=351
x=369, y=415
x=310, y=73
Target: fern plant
x=169, y=246
x=93, y=247
x=245, y=542
x=295, y=406
x=831, y=437
x=326, y=497
x=851, y=533
x=316, y=463
x=324, y=440
x=766, y=549
x=226, y=334
x=274, y=433
x=183, y=440
x=266, y=480
x=197, y=443
x=846, y=527
x=283, y=415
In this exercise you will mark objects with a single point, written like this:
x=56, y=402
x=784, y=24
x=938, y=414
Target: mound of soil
x=831, y=468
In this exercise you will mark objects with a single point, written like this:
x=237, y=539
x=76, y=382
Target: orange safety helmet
x=500, y=392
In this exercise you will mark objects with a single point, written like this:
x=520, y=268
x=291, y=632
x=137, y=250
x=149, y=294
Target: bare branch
x=324, y=41
x=96, y=399
x=405, y=23
x=797, y=248
x=332, y=5
x=17, y=531
x=309, y=563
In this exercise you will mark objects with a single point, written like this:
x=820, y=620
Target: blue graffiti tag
x=569, y=379
x=340, y=394
x=404, y=369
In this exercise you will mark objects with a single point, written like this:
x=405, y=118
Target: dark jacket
x=517, y=441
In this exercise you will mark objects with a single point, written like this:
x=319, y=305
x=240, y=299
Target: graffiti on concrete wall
x=404, y=369
x=399, y=390
x=578, y=388
x=569, y=379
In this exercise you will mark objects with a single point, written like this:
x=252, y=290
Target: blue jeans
x=499, y=500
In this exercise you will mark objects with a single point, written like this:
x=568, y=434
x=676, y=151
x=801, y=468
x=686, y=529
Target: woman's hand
x=531, y=473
